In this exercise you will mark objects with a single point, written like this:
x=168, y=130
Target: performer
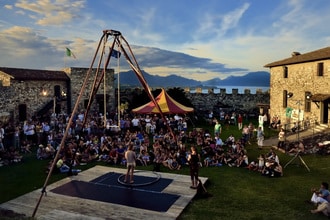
x=193, y=159
x=130, y=157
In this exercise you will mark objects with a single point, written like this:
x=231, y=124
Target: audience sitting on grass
x=95, y=143
x=10, y=156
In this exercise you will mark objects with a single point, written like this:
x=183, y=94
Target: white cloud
x=52, y=12
x=8, y=7
x=220, y=38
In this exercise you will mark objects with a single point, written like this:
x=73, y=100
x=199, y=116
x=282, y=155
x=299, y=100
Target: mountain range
x=260, y=78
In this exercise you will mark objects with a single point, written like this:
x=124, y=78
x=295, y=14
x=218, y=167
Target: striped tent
x=166, y=103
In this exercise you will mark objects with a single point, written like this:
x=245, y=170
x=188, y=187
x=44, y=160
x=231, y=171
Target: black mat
x=140, y=182
x=118, y=194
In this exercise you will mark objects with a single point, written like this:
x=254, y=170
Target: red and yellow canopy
x=166, y=103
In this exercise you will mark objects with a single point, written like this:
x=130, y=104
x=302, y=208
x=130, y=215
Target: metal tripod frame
x=301, y=160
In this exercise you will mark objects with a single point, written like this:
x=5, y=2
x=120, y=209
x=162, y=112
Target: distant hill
x=261, y=78
x=129, y=78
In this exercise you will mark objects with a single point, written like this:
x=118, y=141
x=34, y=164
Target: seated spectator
x=41, y=152
x=104, y=151
x=297, y=148
x=322, y=195
x=277, y=170
x=113, y=156
x=276, y=122
x=322, y=208
x=208, y=161
x=145, y=158
x=175, y=164
x=230, y=140
x=25, y=147
x=166, y=160
x=218, y=141
x=253, y=166
x=50, y=151
x=295, y=127
x=63, y=167
x=11, y=155
x=85, y=157
x=242, y=161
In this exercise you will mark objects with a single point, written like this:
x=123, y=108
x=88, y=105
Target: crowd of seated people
x=94, y=142
x=230, y=152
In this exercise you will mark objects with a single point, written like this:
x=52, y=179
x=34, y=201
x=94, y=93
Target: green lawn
x=237, y=193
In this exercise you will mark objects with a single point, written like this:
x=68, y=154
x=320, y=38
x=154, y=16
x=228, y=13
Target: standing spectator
x=281, y=137
x=260, y=138
x=135, y=124
x=217, y=128
x=2, y=135
x=246, y=134
x=261, y=162
x=261, y=121
x=240, y=122
x=17, y=137
x=29, y=131
x=210, y=117
x=227, y=121
x=233, y=118
x=265, y=119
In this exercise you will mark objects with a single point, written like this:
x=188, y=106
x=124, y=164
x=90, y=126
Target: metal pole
x=104, y=99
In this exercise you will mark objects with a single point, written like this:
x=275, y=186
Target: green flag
x=69, y=53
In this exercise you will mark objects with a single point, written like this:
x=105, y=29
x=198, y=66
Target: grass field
x=237, y=193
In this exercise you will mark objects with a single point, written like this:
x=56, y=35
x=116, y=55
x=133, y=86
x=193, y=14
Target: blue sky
x=195, y=39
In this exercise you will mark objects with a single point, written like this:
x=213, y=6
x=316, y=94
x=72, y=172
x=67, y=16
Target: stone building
x=27, y=92
x=300, y=87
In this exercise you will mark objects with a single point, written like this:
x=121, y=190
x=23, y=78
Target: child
x=260, y=137
x=261, y=162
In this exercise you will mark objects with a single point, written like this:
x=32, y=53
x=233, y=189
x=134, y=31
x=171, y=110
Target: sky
x=195, y=39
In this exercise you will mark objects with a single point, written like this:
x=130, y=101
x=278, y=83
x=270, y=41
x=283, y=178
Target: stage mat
x=145, y=193
x=97, y=194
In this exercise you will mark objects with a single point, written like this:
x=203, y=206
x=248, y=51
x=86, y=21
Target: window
x=285, y=98
x=307, y=101
x=285, y=72
x=320, y=69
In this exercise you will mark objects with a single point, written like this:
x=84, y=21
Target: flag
x=115, y=53
x=69, y=53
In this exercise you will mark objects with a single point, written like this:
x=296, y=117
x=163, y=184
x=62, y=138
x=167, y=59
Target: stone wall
x=301, y=78
x=212, y=101
x=246, y=102
x=77, y=77
x=35, y=95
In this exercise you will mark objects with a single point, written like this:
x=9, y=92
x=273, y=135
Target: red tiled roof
x=322, y=54
x=32, y=74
